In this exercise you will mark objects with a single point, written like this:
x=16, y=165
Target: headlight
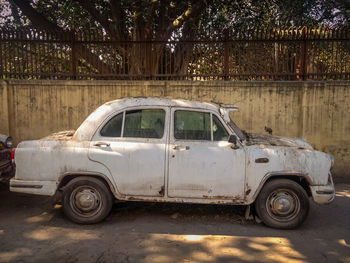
x=9, y=142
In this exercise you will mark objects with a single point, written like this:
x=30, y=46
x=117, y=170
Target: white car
x=169, y=150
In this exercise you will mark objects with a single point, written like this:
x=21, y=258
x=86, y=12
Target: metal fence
x=265, y=54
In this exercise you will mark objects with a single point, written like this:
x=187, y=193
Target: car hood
x=271, y=140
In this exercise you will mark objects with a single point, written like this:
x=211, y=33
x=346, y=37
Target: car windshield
x=238, y=131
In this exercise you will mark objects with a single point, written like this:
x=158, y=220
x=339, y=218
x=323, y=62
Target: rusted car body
x=167, y=150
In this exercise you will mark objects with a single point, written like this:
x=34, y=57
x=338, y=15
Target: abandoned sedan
x=167, y=150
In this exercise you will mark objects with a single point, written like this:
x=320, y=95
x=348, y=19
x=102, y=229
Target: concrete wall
x=317, y=111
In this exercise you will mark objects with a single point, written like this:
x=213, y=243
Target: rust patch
x=60, y=136
x=234, y=201
x=248, y=189
x=215, y=197
x=267, y=139
x=131, y=198
x=161, y=192
x=234, y=198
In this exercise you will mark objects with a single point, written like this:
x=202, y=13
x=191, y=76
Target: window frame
x=97, y=135
x=172, y=127
x=223, y=125
x=141, y=109
x=105, y=122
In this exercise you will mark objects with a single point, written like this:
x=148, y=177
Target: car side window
x=146, y=123
x=113, y=127
x=219, y=131
x=192, y=125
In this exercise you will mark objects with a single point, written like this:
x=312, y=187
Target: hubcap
x=283, y=205
x=85, y=201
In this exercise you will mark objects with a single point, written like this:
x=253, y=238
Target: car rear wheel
x=282, y=204
x=87, y=200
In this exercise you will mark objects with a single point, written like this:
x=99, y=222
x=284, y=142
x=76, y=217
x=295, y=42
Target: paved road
x=32, y=230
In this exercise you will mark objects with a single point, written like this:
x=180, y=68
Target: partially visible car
x=6, y=156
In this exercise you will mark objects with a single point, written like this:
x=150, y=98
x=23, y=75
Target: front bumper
x=323, y=194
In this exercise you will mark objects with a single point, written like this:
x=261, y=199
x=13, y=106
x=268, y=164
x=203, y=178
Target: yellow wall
x=317, y=111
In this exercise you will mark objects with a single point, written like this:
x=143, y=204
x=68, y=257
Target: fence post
x=2, y=71
x=73, y=57
x=304, y=59
x=226, y=54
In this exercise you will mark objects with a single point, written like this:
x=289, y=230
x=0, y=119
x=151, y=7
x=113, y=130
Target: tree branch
x=119, y=19
x=37, y=19
x=96, y=15
x=40, y=22
x=150, y=19
x=193, y=10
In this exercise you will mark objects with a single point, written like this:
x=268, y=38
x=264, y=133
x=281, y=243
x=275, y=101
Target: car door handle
x=181, y=148
x=102, y=144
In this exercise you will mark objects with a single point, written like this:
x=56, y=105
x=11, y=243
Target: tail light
x=13, y=154
x=330, y=179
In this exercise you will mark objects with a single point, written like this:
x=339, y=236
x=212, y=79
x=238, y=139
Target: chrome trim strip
x=36, y=186
x=324, y=192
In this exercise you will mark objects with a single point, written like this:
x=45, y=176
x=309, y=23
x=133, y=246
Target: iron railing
x=265, y=54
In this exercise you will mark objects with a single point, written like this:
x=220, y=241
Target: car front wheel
x=86, y=200
x=282, y=204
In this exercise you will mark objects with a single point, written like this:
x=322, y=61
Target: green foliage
x=146, y=20
x=153, y=15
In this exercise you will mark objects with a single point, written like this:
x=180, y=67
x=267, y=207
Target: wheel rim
x=283, y=205
x=85, y=201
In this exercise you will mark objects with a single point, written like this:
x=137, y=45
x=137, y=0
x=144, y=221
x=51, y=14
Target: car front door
x=132, y=145
x=202, y=163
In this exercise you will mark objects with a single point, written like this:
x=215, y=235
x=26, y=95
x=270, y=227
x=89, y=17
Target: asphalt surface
x=33, y=230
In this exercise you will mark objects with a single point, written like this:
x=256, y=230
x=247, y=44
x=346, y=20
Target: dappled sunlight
x=343, y=193
x=14, y=254
x=224, y=144
x=52, y=233
x=212, y=248
x=343, y=242
x=44, y=217
x=193, y=238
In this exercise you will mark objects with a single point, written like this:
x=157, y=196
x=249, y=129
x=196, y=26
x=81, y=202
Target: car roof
x=154, y=101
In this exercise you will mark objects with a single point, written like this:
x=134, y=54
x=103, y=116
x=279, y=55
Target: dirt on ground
x=32, y=229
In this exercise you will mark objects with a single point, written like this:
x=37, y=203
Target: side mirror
x=233, y=139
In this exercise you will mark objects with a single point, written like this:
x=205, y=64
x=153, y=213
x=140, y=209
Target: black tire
x=282, y=204
x=86, y=200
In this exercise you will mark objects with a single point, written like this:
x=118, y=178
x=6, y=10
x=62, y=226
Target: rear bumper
x=323, y=194
x=33, y=187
